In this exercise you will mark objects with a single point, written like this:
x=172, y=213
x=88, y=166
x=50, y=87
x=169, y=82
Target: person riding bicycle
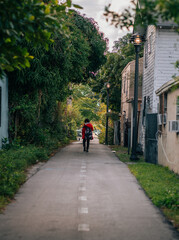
x=87, y=134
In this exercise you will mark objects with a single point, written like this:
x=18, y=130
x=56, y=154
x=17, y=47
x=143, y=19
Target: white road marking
x=83, y=227
x=82, y=189
x=83, y=176
x=83, y=183
x=83, y=167
x=82, y=198
x=83, y=210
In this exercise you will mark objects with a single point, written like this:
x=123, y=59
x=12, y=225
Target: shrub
x=13, y=163
x=102, y=137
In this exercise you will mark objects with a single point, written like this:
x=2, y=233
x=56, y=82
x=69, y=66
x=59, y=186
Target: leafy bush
x=110, y=136
x=66, y=140
x=102, y=137
x=13, y=163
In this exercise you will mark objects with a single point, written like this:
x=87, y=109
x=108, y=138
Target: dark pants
x=84, y=143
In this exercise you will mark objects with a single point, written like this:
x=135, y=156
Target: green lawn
x=160, y=184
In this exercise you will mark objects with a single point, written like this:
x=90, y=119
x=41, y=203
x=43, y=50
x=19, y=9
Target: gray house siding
x=160, y=54
x=149, y=65
x=148, y=76
x=166, y=55
x=4, y=109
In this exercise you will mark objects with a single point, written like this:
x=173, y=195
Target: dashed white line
x=82, y=198
x=83, y=227
x=83, y=167
x=83, y=176
x=83, y=210
x=82, y=189
x=83, y=181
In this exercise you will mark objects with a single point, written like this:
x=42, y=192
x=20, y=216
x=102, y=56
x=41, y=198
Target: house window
x=146, y=54
x=177, y=117
x=162, y=110
x=163, y=103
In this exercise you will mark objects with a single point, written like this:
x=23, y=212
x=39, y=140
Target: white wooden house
x=161, y=51
x=3, y=109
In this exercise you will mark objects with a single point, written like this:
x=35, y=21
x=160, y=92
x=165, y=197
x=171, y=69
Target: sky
x=95, y=9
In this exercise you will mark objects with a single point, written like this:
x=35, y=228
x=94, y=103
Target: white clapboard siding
x=148, y=71
x=160, y=66
x=166, y=55
x=161, y=62
x=148, y=79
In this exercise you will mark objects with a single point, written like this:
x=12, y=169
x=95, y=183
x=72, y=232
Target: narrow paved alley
x=83, y=196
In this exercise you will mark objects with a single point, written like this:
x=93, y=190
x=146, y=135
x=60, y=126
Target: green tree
x=111, y=72
x=86, y=102
x=96, y=42
x=30, y=20
x=45, y=83
x=145, y=13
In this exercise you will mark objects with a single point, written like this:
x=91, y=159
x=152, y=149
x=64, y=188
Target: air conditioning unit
x=174, y=126
x=159, y=119
x=162, y=119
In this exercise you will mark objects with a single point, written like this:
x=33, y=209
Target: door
x=151, y=146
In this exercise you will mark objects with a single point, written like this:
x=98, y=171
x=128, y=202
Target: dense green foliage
x=35, y=92
x=124, y=52
x=13, y=163
x=111, y=72
x=31, y=20
x=145, y=13
x=96, y=41
x=86, y=102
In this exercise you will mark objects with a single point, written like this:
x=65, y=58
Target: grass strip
x=159, y=183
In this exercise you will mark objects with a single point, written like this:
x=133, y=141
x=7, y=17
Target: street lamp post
x=137, y=43
x=106, y=137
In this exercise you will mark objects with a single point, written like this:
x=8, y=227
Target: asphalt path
x=83, y=196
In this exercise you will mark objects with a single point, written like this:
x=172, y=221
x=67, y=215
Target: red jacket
x=83, y=129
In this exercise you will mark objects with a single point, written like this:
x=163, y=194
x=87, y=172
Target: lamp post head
x=137, y=39
x=108, y=85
